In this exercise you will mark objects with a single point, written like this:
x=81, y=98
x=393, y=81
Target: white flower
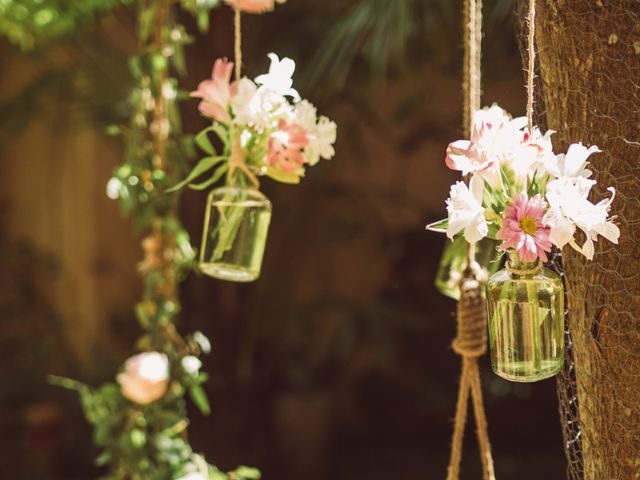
x=324, y=137
x=572, y=164
x=193, y=476
x=191, y=364
x=465, y=210
x=279, y=77
x=305, y=115
x=321, y=133
x=114, y=187
x=242, y=100
x=145, y=378
x=533, y=154
x=569, y=208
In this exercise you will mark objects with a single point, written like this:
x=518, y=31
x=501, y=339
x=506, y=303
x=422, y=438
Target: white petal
x=476, y=185
x=587, y=248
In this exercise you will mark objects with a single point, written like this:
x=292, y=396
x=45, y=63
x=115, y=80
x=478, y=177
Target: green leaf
x=203, y=21
x=203, y=165
x=223, y=133
x=199, y=397
x=280, y=176
x=202, y=139
x=247, y=473
x=145, y=21
x=505, y=181
x=439, y=226
x=138, y=438
x=493, y=230
x=103, y=459
x=219, y=173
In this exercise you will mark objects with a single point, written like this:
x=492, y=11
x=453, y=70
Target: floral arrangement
x=264, y=125
x=521, y=193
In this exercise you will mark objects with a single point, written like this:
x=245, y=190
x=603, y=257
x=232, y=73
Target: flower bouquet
x=265, y=129
x=529, y=199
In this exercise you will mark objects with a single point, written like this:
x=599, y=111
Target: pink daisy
x=523, y=229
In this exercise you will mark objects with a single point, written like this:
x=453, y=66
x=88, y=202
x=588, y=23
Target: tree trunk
x=589, y=58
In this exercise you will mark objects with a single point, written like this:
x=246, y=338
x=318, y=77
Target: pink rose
x=145, y=378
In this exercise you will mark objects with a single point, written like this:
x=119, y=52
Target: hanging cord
x=471, y=339
x=470, y=344
x=531, y=51
x=238, y=154
x=237, y=39
x=472, y=83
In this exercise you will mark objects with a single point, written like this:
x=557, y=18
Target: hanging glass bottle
x=526, y=321
x=234, y=235
x=453, y=264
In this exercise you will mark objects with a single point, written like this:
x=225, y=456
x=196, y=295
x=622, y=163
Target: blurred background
x=337, y=363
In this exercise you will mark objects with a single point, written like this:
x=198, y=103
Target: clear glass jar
x=234, y=235
x=526, y=321
x=454, y=261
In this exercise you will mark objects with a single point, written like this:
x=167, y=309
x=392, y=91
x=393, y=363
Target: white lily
x=465, y=211
x=572, y=164
x=569, y=208
x=279, y=77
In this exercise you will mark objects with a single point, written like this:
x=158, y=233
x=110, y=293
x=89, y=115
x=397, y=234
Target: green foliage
x=382, y=35
x=143, y=442
x=28, y=23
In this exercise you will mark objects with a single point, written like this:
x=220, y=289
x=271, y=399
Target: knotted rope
x=471, y=340
x=470, y=343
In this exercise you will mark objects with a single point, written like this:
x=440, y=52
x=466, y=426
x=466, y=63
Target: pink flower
x=252, y=6
x=285, y=147
x=493, y=136
x=464, y=155
x=217, y=92
x=145, y=378
x=523, y=228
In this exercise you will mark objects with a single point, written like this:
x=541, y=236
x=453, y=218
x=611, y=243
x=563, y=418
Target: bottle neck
x=517, y=266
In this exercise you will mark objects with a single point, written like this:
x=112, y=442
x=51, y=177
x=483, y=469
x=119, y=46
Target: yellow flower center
x=529, y=225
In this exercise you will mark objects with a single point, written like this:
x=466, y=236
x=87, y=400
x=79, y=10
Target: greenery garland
x=140, y=421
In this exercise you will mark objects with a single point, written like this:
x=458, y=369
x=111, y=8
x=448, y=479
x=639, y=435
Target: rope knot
x=471, y=340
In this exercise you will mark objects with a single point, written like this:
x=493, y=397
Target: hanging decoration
x=266, y=129
x=528, y=198
x=140, y=420
x=456, y=258
x=471, y=340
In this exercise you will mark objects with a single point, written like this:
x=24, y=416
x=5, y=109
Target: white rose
x=145, y=378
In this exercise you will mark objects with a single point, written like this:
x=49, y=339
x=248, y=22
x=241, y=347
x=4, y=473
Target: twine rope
x=472, y=83
x=470, y=344
x=238, y=154
x=237, y=28
x=531, y=51
x=471, y=340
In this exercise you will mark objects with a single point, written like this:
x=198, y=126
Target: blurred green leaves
x=28, y=23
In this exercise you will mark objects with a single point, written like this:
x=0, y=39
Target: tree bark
x=589, y=58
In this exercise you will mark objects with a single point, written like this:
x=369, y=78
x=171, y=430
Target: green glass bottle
x=234, y=235
x=453, y=264
x=526, y=321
